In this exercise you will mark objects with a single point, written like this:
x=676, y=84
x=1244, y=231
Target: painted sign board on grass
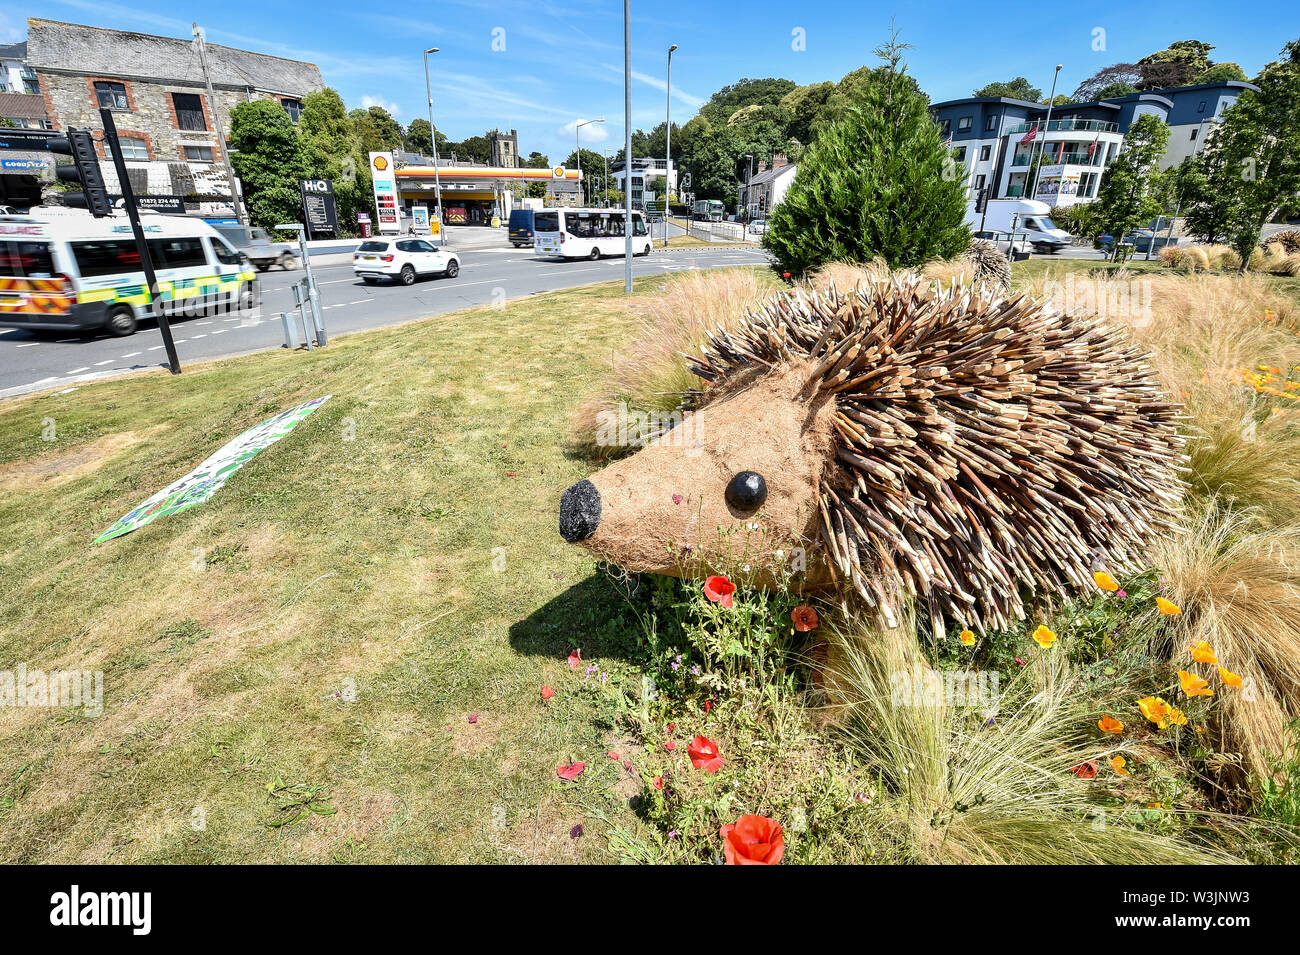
x=208, y=478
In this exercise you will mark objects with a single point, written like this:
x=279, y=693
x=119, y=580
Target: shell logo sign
x=557, y=172
x=381, y=163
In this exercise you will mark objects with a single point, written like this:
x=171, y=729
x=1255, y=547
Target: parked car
x=1140, y=239
x=520, y=231
x=758, y=226
x=259, y=248
x=403, y=260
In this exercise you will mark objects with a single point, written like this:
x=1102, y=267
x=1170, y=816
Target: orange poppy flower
x=752, y=840
x=1085, y=770
x=704, y=754
x=613, y=755
x=1168, y=607
x=1176, y=716
x=805, y=618
x=1193, y=685
x=1229, y=678
x=1105, y=581
x=1043, y=637
x=547, y=693
x=968, y=638
x=1117, y=764
x=658, y=782
x=719, y=590
x=1202, y=653
x=1155, y=710
x=1108, y=724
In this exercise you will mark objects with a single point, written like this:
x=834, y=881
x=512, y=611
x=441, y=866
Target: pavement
x=492, y=275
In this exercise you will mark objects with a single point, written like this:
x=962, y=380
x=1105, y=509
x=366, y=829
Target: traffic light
x=84, y=170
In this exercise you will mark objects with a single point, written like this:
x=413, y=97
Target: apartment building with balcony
x=997, y=140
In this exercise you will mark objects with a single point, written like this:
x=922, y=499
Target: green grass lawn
x=331, y=618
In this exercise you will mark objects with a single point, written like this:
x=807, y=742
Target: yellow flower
x=1228, y=678
x=968, y=638
x=1117, y=764
x=1108, y=724
x=1176, y=716
x=1193, y=685
x=1105, y=581
x=1154, y=709
x=1156, y=805
x=1168, y=607
x=1202, y=653
x=1044, y=637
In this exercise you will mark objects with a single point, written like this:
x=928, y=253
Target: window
x=409, y=245
x=133, y=147
x=639, y=226
x=1193, y=136
x=985, y=153
x=111, y=95
x=964, y=124
x=26, y=260
x=293, y=107
x=189, y=111
x=1201, y=108
x=959, y=154
x=945, y=127
x=990, y=124
x=225, y=254
x=546, y=222
x=979, y=182
x=198, y=153
x=177, y=253
x=106, y=257
x=373, y=247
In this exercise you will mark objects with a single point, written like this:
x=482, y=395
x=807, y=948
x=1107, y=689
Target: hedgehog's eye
x=747, y=491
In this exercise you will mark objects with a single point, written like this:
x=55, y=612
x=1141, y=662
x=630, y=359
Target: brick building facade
x=155, y=87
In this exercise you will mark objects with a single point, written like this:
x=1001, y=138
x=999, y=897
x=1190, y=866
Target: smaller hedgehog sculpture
x=990, y=263
x=958, y=447
x=1289, y=239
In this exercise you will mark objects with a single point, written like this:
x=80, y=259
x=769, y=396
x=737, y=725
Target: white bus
x=587, y=233
x=61, y=270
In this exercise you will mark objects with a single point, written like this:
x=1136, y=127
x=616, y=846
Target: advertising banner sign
x=208, y=478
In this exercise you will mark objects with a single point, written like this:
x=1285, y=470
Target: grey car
x=260, y=248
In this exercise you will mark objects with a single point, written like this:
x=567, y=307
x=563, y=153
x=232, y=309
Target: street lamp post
x=627, y=145
x=433, y=134
x=577, y=152
x=749, y=178
x=1047, y=123
x=668, y=141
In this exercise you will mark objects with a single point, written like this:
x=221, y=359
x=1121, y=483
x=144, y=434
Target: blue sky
x=563, y=59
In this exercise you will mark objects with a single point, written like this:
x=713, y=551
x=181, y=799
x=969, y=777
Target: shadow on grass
x=598, y=615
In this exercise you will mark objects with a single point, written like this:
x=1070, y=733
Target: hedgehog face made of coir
x=953, y=446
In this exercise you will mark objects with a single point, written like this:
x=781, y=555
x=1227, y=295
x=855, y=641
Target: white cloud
x=369, y=101
x=661, y=85
x=591, y=133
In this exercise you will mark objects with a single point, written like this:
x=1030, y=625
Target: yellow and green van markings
x=180, y=288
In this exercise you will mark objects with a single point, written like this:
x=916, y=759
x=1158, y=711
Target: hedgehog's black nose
x=579, y=512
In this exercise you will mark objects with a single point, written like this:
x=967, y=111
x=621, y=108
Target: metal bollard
x=290, y=340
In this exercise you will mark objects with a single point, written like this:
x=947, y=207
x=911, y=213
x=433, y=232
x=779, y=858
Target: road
x=31, y=362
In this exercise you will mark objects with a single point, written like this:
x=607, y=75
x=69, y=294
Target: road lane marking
x=131, y=354
x=79, y=370
x=28, y=344
x=108, y=362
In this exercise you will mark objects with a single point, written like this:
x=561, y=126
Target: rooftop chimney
x=779, y=160
x=762, y=166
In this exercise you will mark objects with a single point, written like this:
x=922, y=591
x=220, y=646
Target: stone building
x=505, y=149
x=155, y=87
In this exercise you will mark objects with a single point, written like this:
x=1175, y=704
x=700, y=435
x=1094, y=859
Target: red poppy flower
x=1085, y=770
x=670, y=745
x=704, y=754
x=677, y=499
x=805, y=618
x=752, y=840
x=708, y=705
x=659, y=782
x=719, y=590
x=547, y=693
x=570, y=772
x=575, y=659
x=614, y=756
x=671, y=727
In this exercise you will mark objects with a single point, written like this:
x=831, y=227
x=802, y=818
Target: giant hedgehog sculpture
x=952, y=445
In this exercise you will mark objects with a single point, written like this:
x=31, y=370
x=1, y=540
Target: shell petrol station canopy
x=478, y=182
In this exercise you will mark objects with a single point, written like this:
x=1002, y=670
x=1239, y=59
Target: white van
x=1029, y=216
x=587, y=233
x=64, y=270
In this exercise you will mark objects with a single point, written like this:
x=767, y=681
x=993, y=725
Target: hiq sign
x=318, y=186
